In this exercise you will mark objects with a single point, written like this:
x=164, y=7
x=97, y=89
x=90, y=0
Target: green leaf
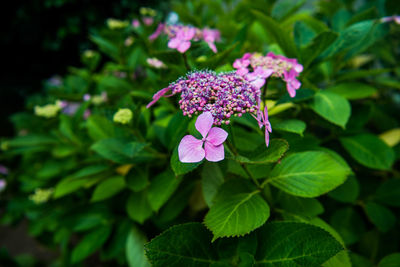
x=332, y=107
x=317, y=46
x=161, y=189
x=263, y=154
x=380, y=216
x=348, y=223
x=369, y=150
x=176, y=129
x=307, y=207
x=348, y=192
x=291, y=126
x=137, y=179
x=135, y=253
x=391, y=260
x=353, y=90
x=117, y=150
x=308, y=174
x=90, y=243
x=294, y=244
x=282, y=38
x=182, y=245
x=179, y=167
x=389, y=193
x=211, y=179
x=138, y=207
x=99, y=127
x=108, y=188
x=79, y=179
x=106, y=46
x=236, y=213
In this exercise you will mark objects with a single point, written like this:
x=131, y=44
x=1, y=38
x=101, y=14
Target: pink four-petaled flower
x=191, y=149
x=181, y=41
x=262, y=120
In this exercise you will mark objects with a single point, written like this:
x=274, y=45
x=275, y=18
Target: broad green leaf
x=380, y=216
x=211, y=179
x=307, y=207
x=391, y=260
x=90, y=243
x=134, y=251
x=106, y=46
x=99, y=127
x=161, y=189
x=348, y=223
x=369, y=150
x=318, y=45
x=263, y=154
x=360, y=261
x=282, y=38
x=137, y=179
x=352, y=90
x=236, y=213
x=291, y=126
x=108, y=188
x=117, y=150
x=341, y=259
x=389, y=193
x=138, y=207
x=332, y=107
x=294, y=244
x=308, y=174
x=391, y=137
x=182, y=245
x=176, y=129
x=79, y=179
x=179, y=167
x=348, y=192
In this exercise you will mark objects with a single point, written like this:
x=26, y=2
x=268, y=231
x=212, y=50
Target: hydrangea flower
x=191, y=149
x=270, y=65
x=224, y=95
x=180, y=36
x=3, y=184
x=262, y=119
x=3, y=170
x=394, y=18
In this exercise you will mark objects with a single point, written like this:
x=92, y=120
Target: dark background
x=41, y=38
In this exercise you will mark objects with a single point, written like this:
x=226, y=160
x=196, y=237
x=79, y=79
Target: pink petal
x=290, y=89
x=204, y=123
x=266, y=137
x=190, y=149
x=183, y=46
x=242, y=71
x=258, y=83
x=214, y=153
x=212, y=46
x=217, y=136
x=174, y=43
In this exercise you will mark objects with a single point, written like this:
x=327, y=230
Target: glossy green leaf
x=380, y=216
x=294, y=244
x=332, y=107
x=308, y=174
x=134, y=251
x=348, y=192
x=108, y=188
x=391, y=260
x=291, y=126
x=99, y=127
x=389, y=193
x=90, y=243
x=349, y=224
x=182, y=245
x=369, y=151
x=263, y=154
x=317, y=46
x=353, y=90
x=238, y=210
x=161, y=189
x=137, y=179
x=138, y=207
x=307, y=207
x=117, y=150
x=211, y=179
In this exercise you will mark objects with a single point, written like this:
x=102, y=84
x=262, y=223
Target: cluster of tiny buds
x=224, y=95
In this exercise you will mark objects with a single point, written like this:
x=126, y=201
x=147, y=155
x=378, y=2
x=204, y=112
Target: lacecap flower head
x=272, y=65
x=223, y=95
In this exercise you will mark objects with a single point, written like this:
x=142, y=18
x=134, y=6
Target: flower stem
x=265, y=89
x=186, y=61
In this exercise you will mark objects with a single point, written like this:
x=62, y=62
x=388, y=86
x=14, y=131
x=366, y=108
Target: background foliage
x=326, y=191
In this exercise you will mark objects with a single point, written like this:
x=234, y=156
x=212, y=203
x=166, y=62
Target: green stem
x=186, y=61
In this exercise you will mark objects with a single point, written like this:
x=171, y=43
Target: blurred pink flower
x=191, y=149
x=148, y=20
x=262, y=120
x=3, y=170
x=159, y=30
x=210, y=36
x=181, y=41
x=156, y=63
x=3, y=184
x=257, y=78
x=135, y=23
